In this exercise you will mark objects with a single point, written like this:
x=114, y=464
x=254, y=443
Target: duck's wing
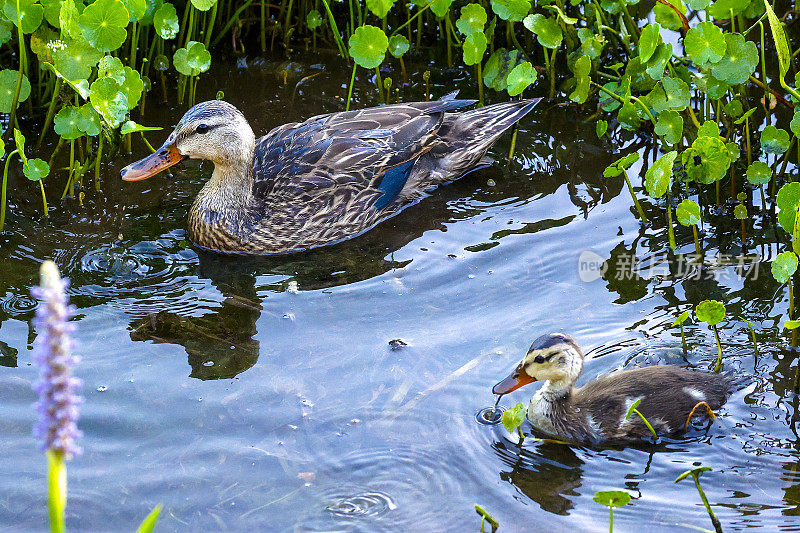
x=362, y=157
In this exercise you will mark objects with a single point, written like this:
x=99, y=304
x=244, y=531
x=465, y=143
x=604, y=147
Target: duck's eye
x=202, y=128
x=539, y=359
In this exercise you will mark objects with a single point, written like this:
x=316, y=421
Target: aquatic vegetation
x=513, y=418
x=695, y=473
x=486, y=517
x=679, y=322
x=633, y=410
x=712, y=313
x=57, y=389
x=611, y=499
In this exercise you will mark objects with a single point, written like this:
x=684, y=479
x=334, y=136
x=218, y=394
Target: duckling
x=595, y=413
x=310, y=184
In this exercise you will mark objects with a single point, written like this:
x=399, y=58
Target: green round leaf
x=709, y=129
x=705, y=43
x=520, y=78
x=379, y=7
x=707, y=160
x=136, y=9
x=740, y=211
x=759, y=173
x=649, y=40
x=109, y=101
x=688, y=213
x=784, y=266
x=498, y=66
x=36, y=169
x=669, y=126
x=65, y=123
x=76, y=58
x=612, y=498
x=8, y=84
x=398, y=45
x=677, y=93
x=198, y=58
x=68, y=20
x=601, y=128
x=739, y=61
x=368, y=46
x=658, y=62
x=513, y=417
x=721, y=9
x=547, y=30
x=667, y=17
x=710, y=311
x=620, y=165
x=103, y=24
x=658, y=176
x=166, y=21
x=582, y=68
x=681, y=319
x=441, y=7
x=203, y=5
x=472, y=19
x=313, y=19
x=89, y=120
x=513, y=10
x=31, y=14
x=774, y=140
x=112, y=67
x=474, y=47
x=787, y=199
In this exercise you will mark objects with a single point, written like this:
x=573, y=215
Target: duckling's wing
x=362, y=157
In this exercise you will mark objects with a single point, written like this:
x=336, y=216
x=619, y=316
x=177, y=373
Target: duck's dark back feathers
x=335, y=175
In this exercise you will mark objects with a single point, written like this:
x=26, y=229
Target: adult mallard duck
x=329, y=178
x=596, y=412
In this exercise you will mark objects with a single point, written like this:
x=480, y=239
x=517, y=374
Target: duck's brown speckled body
x=596, y=413
x=309, y=184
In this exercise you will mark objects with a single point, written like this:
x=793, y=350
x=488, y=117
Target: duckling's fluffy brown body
x=596, y=412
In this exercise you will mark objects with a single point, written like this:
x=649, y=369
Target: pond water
x=268, y=394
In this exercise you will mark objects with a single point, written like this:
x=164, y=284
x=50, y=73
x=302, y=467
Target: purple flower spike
x=57, y=388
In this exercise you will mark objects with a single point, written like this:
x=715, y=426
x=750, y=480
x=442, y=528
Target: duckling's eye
x=539, y=359
x=202, y=128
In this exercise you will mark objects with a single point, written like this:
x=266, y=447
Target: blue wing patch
x=393, y=181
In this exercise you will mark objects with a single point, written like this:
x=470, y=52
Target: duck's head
x=553, y=357
x=213, y=130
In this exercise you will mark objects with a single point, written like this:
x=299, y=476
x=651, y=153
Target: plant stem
x=714, y=519
x=646, y=423
x=51, y=110
x=683, y=342
x=610, y=519
x=44, y=198
x=670, y=228
x=350, y=89
x=56, y=490
x=97, y=163
x=379, y=81
x=480, y=84
x=697, y=248
x=718, y=364
x=633, y=195
x=3, y=196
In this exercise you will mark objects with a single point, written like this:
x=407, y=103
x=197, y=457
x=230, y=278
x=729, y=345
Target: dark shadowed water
x=268, y=394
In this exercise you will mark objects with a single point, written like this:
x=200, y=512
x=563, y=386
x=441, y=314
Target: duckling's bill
x=163, y=158
x=518, y=378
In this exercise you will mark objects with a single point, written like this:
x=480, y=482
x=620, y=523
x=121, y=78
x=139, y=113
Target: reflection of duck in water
x=326, y=179
x=597, y=411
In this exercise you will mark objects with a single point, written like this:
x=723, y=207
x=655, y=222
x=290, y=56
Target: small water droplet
x=489, y=416
x=208, y=363
x=491, y=183
x=471, y=276
x=102, y=388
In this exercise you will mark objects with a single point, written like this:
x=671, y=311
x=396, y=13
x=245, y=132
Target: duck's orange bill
x=165, y=157
x=515, y=380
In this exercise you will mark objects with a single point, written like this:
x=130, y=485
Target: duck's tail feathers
x=467, y=136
